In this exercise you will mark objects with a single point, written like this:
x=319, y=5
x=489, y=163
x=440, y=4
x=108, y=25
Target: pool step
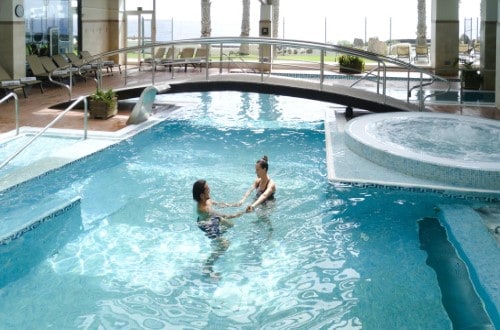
x=479, y=250
x=56, y=159
x=15, y=224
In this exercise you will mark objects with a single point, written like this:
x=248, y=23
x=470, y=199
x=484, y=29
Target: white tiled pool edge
x=363, y=172
x=478, y=250
x=17, y=230
x=478, y=174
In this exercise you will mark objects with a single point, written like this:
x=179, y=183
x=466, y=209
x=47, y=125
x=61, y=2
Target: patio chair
x=421, y=51
x=200, y=57
x=171, y=56
x=157, y=58
x=464, y=51
x=39, y=71
x=9, y=84
x=36, y=67
x=51, y=68
x=109, y=65
x=81, y=69
x=403, y=51
x=185, y=58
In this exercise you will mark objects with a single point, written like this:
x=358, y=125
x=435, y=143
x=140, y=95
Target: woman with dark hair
x=212, y=223
x=263, y=186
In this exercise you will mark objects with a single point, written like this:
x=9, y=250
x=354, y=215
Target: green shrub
x=351, y=64
x=108, y=97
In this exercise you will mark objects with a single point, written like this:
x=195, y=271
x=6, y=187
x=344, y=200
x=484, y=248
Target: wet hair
x=263, y=162
x=198, y=189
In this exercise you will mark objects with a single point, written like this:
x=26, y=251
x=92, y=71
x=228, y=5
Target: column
x=444, y=34
x=489, y=55
x=265, y=30
x=12, y=38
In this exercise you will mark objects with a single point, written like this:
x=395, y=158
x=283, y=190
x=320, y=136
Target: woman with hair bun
x=264, y=186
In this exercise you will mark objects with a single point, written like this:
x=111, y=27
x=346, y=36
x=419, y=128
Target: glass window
x=51, y=26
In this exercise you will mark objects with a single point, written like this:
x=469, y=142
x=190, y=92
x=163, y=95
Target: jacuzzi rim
x=356, y=130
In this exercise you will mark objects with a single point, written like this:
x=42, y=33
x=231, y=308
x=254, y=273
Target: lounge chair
x=464, y=51
x=81, y=69
x=185, y=58
x=200, y=57
x=157, y=58
x=171, y=56
x=109, y=65
x=421, y=51
x=39, y=71
x=403, y=51
x=55, y=71
x=9, y=84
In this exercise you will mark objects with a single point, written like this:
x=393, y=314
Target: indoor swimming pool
x=121, y=249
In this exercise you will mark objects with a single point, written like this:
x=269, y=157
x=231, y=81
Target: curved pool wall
x=368, y=135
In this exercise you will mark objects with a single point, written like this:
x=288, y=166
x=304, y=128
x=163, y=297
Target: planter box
x=350, y=70
x=100, y=110
x=471, y=79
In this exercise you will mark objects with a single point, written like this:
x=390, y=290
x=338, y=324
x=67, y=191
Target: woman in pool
x=263, y=186
x=214, y=224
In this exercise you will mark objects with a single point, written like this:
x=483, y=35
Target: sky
x=318, y=20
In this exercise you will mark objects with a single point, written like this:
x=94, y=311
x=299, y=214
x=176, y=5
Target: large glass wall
x=51, y=26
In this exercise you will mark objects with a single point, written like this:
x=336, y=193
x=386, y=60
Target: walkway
x=36, y=111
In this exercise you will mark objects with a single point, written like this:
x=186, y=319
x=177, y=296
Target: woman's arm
x=249, y=191
x=226, y=216
x=271, y=188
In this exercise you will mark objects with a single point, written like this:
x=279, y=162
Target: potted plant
x=351, y=64
x=470, y=76
x=103, y=104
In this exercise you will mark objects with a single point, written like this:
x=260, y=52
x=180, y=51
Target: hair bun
x=265, y=158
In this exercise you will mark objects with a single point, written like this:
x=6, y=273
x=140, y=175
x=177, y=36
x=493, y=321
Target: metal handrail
x=16, y=107
x=230, y=58
x=85, y=127
x=69, y=87
x=381, y=60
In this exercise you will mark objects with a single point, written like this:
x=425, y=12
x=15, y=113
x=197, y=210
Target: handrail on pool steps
x=27, y=144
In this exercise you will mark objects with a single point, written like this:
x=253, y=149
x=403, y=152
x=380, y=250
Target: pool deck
x=36, y=111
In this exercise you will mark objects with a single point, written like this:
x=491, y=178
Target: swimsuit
x=259, y=192
x=210, y=226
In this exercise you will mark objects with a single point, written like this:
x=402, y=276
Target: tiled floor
x=36, y=110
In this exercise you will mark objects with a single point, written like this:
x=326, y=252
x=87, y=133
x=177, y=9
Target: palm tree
x=245, y=26
x=206, y=26
x=421, y=26
x=276, y=17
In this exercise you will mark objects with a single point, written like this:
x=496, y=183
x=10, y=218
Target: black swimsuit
x=211, y=226
x=259, y=192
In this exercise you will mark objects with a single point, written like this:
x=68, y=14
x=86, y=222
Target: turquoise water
x=324, y=257
x=42, y=147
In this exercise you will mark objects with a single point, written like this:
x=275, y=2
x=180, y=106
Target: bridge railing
x=322, y=68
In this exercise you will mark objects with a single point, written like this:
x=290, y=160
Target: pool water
x=324, y=256
x=42, y=147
